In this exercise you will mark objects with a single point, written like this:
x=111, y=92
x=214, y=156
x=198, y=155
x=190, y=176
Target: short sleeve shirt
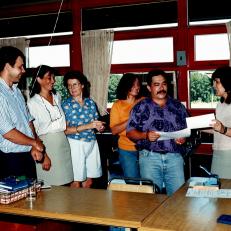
x=14, y=115
x=148, y=116
x=77, y=115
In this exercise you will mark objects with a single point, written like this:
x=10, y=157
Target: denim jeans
x=129, y=163
x=167, y=169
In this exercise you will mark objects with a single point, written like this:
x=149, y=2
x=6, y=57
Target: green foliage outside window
x=113, y=83
x=59, y=87
x=201, y=89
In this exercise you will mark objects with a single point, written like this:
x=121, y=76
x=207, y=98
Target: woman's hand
x=46, y=165
x=218, y=126
x=98, y=125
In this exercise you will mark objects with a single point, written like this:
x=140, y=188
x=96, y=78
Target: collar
x=5, y=85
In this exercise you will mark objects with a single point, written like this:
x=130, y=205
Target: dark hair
x=9, y=54
x=81, y=78
x=224, y=74
x=125, y=85
x=40, y=72
x=155, y=72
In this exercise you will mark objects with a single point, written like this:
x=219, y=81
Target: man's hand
x=39, y=145
x=152, y=136
x=180, y=141
x=37, y=150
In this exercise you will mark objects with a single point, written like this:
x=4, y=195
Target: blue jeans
x=129, y=163
x=167, y=169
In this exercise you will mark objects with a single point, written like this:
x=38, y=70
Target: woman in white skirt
x=49, y=121
x=82, y=118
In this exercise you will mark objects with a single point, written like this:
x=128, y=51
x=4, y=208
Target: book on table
x=204, y=183
x=12, y=184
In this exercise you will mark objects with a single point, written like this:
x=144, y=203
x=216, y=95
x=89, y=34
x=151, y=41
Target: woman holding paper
x=221, y=161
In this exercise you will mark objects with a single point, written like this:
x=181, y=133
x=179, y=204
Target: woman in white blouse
x=49, y=121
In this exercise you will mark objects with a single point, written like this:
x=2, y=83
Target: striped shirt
x=14, y=114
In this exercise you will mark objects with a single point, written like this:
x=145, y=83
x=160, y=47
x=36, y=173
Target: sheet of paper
x=221, y=193
x=174, y=135
x=202, y=121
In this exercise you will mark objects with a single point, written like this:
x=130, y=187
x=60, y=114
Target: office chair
x=127, y=184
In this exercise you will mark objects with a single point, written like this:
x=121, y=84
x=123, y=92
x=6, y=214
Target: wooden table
x=182, y=213
x=93, y=206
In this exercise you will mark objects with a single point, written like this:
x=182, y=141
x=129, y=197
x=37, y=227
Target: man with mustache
x=19, y=145
x=159, y=160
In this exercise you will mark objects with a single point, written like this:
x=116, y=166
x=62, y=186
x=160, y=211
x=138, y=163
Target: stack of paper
x=221, y=193
x=204, y=183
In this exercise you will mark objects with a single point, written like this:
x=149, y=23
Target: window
x=35, y=24
x=152, y=50
x=113, y=83
x=211, y=47
x=209, y=10
x=55, y=56
x=201, y=90
x=142, y=14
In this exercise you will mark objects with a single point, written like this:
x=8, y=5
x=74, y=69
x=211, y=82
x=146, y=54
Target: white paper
x=221, y=193
x=202, y=121
x=174, y=135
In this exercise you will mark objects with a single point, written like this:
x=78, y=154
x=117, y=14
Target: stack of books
x=204, y=183
x=13, y=189
x=13, y=184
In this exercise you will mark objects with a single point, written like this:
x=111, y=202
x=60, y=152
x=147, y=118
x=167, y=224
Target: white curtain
x=96, y=48
x=228, y=27
x=21, y=43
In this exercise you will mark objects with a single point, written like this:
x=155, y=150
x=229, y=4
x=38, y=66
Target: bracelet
x=225, y=130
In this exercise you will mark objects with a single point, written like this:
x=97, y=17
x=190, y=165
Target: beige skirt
x=58, y=149
x=221, y=163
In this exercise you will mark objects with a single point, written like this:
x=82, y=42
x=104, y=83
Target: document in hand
x=202, y=121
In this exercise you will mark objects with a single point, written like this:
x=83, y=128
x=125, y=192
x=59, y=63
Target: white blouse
x=47, y=118
x=223, y=113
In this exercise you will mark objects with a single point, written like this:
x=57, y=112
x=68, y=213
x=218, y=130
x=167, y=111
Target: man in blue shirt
x=19, y=145
x=159, y=160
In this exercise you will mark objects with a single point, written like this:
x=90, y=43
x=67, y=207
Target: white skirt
x=58, y=149
x=85, y=159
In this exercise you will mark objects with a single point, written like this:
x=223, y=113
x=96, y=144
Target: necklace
x=53, y=118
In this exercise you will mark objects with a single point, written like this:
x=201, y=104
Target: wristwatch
x=225, y=130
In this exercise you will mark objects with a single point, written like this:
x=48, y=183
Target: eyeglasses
x=53, y=116
x=74, y=85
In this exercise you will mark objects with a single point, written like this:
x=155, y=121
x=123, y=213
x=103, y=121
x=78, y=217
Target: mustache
x=163, y=91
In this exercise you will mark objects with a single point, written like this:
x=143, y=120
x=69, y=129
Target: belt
x=162, y=152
